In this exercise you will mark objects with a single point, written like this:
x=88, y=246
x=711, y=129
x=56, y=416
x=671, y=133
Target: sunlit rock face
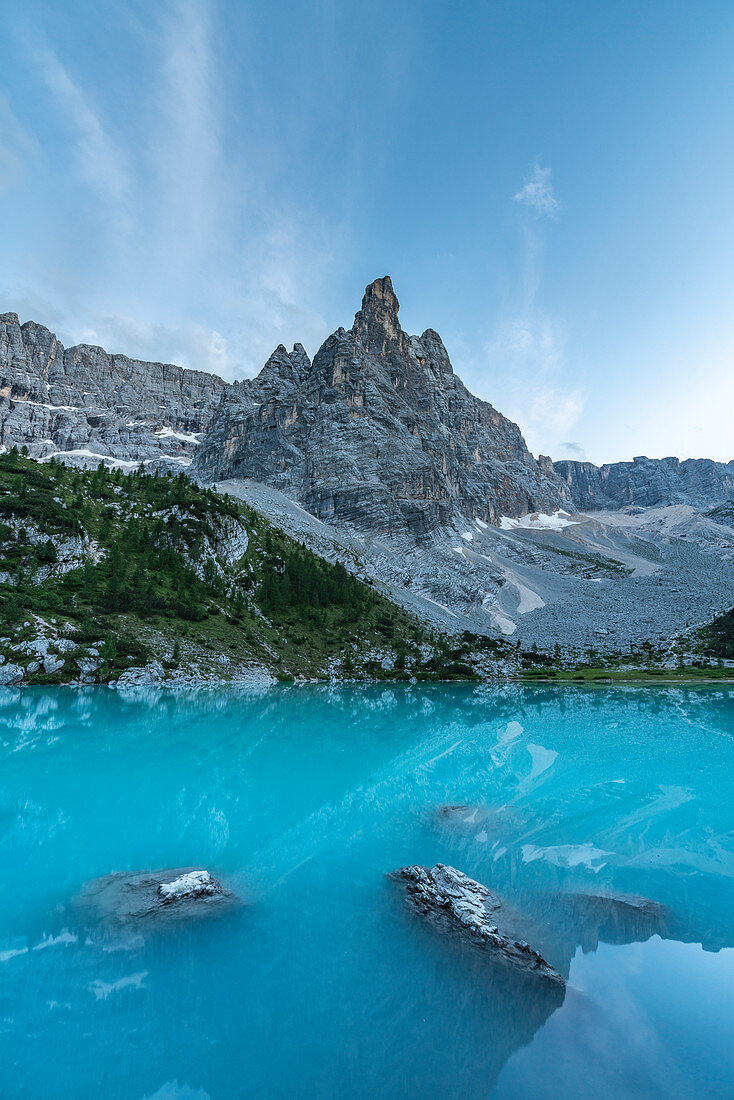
x=82, y=402
x=377, y=432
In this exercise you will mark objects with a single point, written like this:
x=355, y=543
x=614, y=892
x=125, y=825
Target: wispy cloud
x=527, y=353
x=537, y=192
x=193, y=190
x=101, y=162
x=189, y=345
x=16, y=147
x=209, y=236
x=527, y=357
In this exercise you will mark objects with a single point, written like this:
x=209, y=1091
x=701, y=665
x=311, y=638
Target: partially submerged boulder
x=453, y=902
x=469, y=819
x=148, y=898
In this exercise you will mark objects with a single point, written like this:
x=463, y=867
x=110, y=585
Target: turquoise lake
x=323, y=984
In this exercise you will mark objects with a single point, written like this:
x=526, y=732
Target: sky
x=549, y=185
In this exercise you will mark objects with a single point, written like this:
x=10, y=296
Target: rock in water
x=129, y=901
x=377, y=432
x=456, y=903
x=468, y=819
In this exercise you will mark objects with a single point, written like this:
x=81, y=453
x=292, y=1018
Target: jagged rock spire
x=379, y=434
x=376, y=325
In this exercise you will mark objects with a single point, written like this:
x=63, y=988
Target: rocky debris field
x=609, y=582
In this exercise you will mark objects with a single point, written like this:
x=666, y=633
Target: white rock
x=87, y=664
x=10, y=674
x=152, y=673
x=52, y=664
x=194, y=884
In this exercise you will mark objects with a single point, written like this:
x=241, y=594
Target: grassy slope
x=151, y=579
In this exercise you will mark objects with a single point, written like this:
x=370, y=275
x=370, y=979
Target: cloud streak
x=537, y=192
x=101, y=162
x=16, y=147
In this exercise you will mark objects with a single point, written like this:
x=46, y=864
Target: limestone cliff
x=83, y=399
x=648, y=482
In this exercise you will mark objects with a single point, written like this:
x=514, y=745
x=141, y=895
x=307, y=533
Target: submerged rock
x=176, y=893
x=468, y=819
x=454, y=902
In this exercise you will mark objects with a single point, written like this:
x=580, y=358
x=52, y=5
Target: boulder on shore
x=453, y=902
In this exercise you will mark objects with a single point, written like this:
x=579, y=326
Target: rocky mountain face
x=377, y=433
x=648, y=482
x=81, y=401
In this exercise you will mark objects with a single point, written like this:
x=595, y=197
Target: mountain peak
x=381, y=291
x=377, y=323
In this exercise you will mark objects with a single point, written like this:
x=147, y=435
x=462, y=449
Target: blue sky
x=550, y=186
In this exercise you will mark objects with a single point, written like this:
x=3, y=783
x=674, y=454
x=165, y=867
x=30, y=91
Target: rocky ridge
x=83, y=404
x=377, y=433
x=648, y=483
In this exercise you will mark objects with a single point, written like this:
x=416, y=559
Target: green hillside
x=119, y=570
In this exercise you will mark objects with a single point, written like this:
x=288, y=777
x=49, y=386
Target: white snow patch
x=482, y=524
x=43, y=405
x=184, y=437
x=114, y=463
x=467, y=535
x=539, y=521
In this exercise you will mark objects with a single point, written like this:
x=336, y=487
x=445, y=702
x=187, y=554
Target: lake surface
x=323, y=984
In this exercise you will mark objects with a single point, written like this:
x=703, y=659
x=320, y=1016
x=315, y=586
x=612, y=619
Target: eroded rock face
x=454, y=902
x=83, y=399
x=647, y=482
x=377, y=432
